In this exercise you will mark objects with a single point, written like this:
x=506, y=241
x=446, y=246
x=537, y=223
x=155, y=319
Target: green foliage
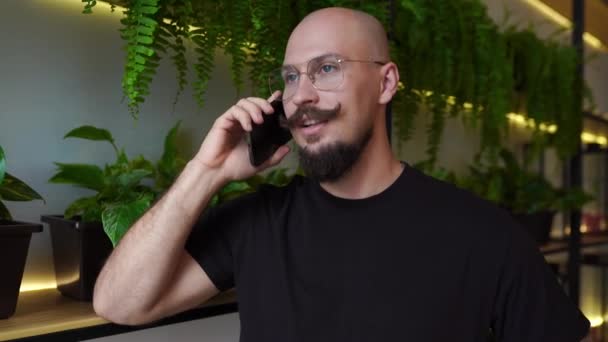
x=13, y=189
x=171, y=163
x=450, y=53
x=88, y=6
x=84, y=175
x=117, y=218
x=172, y=36
x=139, y=32
x=513, y=187
x=122, y=189
x=544, y=79
x=92, y=133
x=277, y=177
x=454, y=61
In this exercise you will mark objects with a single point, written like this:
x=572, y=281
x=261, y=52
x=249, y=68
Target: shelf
x=587, y=240
x=46, y=315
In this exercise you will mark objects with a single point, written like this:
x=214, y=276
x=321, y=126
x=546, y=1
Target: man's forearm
x=127, y=282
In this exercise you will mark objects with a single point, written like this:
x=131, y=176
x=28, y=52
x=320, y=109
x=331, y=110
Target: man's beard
x=331, y=162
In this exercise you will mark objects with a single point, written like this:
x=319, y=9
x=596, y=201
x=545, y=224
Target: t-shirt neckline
x=367, y=200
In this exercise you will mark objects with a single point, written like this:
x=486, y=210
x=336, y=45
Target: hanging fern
x=173, y=34
x=268, y=38
x=142, y=61
x=205, y=40
x=544, y=79
x=453, y=59
x=239, y=15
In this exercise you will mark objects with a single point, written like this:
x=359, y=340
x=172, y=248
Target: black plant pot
x=79, y=252
x=14, y=243
x=537, y=224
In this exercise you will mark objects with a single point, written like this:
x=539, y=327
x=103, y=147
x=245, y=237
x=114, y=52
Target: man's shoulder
x=460, y=209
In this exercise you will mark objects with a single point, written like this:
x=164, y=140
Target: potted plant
x=84, y=236
x=14, y=238
x=528, y=196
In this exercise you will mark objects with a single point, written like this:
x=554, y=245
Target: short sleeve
x=216, y=237
x=530, y=304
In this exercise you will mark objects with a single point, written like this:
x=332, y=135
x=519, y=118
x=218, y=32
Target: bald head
x=344, y=31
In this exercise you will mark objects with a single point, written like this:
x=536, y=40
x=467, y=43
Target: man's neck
x=373, y=173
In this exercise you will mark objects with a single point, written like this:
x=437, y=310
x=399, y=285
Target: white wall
x=61, y=69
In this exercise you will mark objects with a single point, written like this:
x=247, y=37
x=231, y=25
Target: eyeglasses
x=325, y=73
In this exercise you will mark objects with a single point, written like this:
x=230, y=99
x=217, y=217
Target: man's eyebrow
x=329, y=54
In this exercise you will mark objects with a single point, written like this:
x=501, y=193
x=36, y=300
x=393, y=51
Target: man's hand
x=225, y=148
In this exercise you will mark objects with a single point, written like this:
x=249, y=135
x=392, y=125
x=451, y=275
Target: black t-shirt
x=420, y=261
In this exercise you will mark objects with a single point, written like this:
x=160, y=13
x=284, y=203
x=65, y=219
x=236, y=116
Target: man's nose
x=306, y=92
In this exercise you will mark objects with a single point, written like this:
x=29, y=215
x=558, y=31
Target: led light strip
x=565, y=22
x=35, y=286
x=586, y=137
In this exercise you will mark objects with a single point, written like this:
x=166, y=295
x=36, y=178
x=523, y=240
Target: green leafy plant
x=277, y=177
x=518, y=190
x=454, y=61
x=541, y=67
x=13, y=189
x=121, y=193
x=125, y=189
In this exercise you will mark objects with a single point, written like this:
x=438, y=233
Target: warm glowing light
x=35, y=286
x=591, y=138
x=565, y=22
x=586, y=137
x=596, y=321
x=527, y=122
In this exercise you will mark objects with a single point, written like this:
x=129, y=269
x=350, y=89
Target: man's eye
x=327, y=68
x=290, y=78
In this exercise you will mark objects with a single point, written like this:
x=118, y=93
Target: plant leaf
x=118, y=218
x=14, y=189
x=170, y=164
x=170, y=148
x=129, y=179
x=235, y=186
x=82, y=175
x=79, y=206
x=4, y=213
x=140, y=162
x=233, y=190
x=90, y=133
x=277, y=177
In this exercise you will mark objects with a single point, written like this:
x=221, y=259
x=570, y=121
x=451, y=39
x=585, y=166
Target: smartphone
x=265, y=138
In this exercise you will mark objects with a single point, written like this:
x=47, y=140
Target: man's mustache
x=311, y=112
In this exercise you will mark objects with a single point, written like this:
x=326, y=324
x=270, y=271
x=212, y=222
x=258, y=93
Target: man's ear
x=389, y=83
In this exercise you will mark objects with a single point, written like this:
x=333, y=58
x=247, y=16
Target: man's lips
x=312, y=127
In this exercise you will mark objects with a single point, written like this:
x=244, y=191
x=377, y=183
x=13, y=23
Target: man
x=364, y=249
